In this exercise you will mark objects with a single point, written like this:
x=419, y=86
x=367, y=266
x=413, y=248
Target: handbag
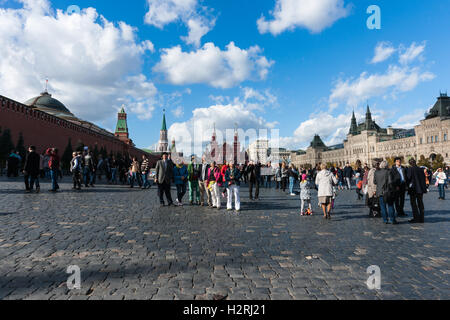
x=366, y=189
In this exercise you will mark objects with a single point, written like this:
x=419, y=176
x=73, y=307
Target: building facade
x=45, y=122
x=258, y=151
x=367, y=141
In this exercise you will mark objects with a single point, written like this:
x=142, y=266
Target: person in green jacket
x=193, y=176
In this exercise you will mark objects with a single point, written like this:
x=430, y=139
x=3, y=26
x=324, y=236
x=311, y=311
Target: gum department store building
x=367, y=141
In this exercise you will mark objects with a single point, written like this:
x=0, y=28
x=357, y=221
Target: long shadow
x=4, y=214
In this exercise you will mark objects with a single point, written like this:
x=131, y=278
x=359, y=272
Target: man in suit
x=164, y=176
x=417, y=188
x=399, y=175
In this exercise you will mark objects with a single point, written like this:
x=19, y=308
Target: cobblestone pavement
x=129, y=248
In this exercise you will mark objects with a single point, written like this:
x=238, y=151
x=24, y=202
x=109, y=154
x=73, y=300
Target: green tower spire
x=164, y=126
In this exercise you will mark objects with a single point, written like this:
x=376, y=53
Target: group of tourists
x=207, y=183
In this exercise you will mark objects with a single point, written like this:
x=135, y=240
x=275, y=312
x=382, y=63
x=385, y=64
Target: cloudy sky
x=297, y=66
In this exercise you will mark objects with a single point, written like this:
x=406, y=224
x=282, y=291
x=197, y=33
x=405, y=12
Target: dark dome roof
x=47, y=104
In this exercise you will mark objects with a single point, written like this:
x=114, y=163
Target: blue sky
x=301, y=69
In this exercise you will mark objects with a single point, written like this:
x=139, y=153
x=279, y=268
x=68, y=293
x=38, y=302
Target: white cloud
x=332, y=129
x=383, y=51
x=93, y=64
x=211, y=65
x=199, y=127
x=396, y=79
x=412, y=53
x=410, y=120
x=314, y=15
x=194, y=16
x=178, y=112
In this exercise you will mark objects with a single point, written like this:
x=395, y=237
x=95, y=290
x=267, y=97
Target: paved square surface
x=129, y=248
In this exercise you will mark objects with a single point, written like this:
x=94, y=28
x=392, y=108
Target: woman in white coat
x=325, y=181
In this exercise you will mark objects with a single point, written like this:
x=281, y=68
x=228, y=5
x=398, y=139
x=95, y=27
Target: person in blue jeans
x=53, y=164
x=292, y=177
x=180, y=174
x=385, y=193
x=441, y=179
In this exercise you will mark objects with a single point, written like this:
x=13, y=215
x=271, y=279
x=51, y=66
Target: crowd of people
x=383, y=188
x=85, y=169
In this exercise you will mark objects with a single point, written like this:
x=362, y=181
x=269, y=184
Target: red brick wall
x=43, y=131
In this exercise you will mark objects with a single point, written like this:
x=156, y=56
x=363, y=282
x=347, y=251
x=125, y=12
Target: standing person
x=284, y=176
x=223, y=170
x=75, y=168
x=232, y=182
x=340, y=177
x=253, y=180
x=212, y=183
x=53, y=164
x=305, y=196
x=244, y=173
x=278, y=176
x=134, y=170
x=145, y=169
x=399, y=179
x=163, y=178
x=427, y=178
x=325, y=181
x=386, y=193
x=416, y=189
x=441, y=178
x=180, y=174
x=31, y=170
x=46, y=168
x=269, y=177
x=193, y=180
x=88, y=168
x=13, y=164
x=372, y=200
x=114, y=167
x=202, y=183
x=42, y=165
x=447, y=173
x=348, y=175
x=293, y=176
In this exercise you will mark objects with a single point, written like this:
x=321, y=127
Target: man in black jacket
x=254, y=176
x=163, y=178
x=417, y=188
x=348, y=175
x=399, y=175
x=31, y=170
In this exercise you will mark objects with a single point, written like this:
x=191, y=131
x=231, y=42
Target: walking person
x=202, y=183
x=324, y=182
x=416, y=188
x=180, y=174
x=441, y=178
x=114, y=168
x=53, y=164
x=31, y=170
x=253, y=180
x=399, y=175
x=75, y=169
x=163, y=178
x=232, y=182
x=386, y=193
x=305, y=196
x=278, y=177
x=134, y=172
x=193, y=181
x=145, y=169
